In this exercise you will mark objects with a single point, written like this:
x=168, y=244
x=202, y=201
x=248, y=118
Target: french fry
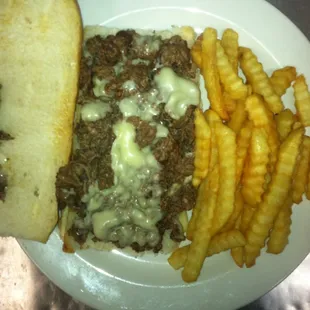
x=238, y=207
x=232, y=83
x=202, y=234
x=231, y=46
x=281, y=229
x=297, y=125
x=237, y=252
x=273, y=143
x=210, y=72
x=257, y=111
x=202, y=148
x=219, y=243
x=254, y=175
x=246, y=217
x=302, y=100
x=226, y=144
x=243, y=142
x=229, y=104
x=301, y=172
x=281, y=79
x=238, y=117
x=213, y=118
x=196, y=51
x=285, y=121
x=255, y=74
x=274, y=198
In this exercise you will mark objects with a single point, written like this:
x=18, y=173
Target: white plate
x=118, y=281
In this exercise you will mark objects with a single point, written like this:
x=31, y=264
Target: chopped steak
x=104, y=72
x=139, y=74
x=104, y=51
x=126, y=64
x=85, y=74
x=145, y=133
x=3, y=185
x=175, y=53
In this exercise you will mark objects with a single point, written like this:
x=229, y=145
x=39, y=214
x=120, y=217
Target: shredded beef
x=139, y=74
x=165, y=148
x=3, y=185
x=145, y=133
x=123, y=40
x=145, y=47
x=104, y=72
x=104, y=51
x=175, y=53
x=79, y=234
x=85, y=74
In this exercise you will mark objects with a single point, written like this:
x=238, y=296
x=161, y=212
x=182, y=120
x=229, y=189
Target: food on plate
x=274, y=198
x=232, y=83
x=259, y=80
x=255, y=147
x=302, y=100
x=238, y=117
x=208, y=192
x=129, y=178
x=202, y=147
x=282, y=79
x=226, y=144
x=281, y=228
x=230, y=43
x=284, y=122
x=243, y=142
x=253, y=178
x=210, y=72
x=38, y=91
x=219, y=243
x=301, y=172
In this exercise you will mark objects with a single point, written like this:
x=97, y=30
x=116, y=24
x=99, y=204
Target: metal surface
x=24, y=287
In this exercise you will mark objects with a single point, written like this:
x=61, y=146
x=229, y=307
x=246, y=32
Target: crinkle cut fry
x=202, y=234
x=274, y=197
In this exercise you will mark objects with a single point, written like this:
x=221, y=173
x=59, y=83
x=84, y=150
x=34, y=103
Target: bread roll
x=40, y=43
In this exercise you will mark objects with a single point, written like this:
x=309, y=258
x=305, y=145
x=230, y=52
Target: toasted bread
x=40, y=44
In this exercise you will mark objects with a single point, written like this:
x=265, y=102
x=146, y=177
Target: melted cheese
x=129, y=85
x=99, y=87
x=143, y=105
x=162, y=131
x=177, y=92
x=93, y=111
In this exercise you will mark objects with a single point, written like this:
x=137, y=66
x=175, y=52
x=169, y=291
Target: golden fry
x=238, y=207
x=210, y=72
x=202, y=148
x=257, y=111
x=243, y=142
x=281, y=228
x=255, y=74
x=254, y=175
x=196, y=51
x=202, y=234
x=238, y=117
x=231, y=46
x=213, y=118
x=302, y=100
x=232, y=83
x=237, y=252
x=301, y=172
x=274, y=197
x=229, y=104
x=246, y=217
x=273, y=143
x=285, y=121
x=282, y=79
x=226, y=143
x=219, y=243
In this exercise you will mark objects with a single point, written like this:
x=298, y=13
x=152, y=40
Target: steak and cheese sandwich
x=129, y=176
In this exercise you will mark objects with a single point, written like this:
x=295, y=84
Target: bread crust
x=40, y=47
